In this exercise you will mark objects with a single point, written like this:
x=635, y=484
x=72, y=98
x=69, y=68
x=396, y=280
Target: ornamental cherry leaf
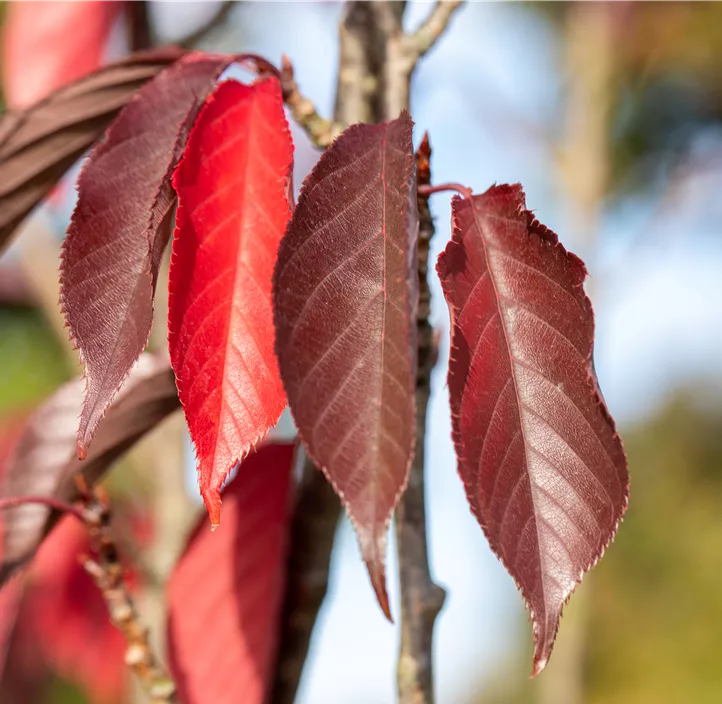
x=121, y=225
x=232, y=211
x=543, y=466
x=345, y=296
x=226, y=593
x=40, y=143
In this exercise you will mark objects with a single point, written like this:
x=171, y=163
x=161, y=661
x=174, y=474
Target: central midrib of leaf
x=238, y=263
x=522, y=429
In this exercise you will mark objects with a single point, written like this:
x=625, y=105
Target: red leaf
x=226, y=592
x=543, y=466
x=120, y=227
x=39, y=144
x=345, y=298
x=47, y=45
x=232, y=213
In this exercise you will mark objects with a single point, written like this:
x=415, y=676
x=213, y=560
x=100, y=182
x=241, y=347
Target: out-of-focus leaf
x=67, y=617
x=46, y=45
x=226, y=592
x=345, y=296
x=543, y=466
x=39, y=144
x=45, y=461
x=232, y=212
x=121, y=225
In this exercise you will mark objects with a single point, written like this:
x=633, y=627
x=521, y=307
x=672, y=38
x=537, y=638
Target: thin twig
x=421, y=598
x=7, y=502
x=428, y=190
x=320, y=130
x=222, y=13
x=432, y=28
x=108, y=573
x=312, y=532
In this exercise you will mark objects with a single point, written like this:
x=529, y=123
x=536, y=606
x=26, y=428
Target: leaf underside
x=226, y=592
x=543, y=467
x=39, y=144
x=232, y=212
x=44, y=462
x=120, y=226
x=345, y=296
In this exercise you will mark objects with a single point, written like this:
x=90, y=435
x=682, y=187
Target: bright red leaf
x=226, y=593
x=345, y=295
x=543, y=466
x=47, y=45
x=121, y=225
x=232, y=213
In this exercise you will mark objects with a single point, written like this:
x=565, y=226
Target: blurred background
x=610, y=114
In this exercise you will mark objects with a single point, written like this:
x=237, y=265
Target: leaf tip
x=82, y=450
x=373, y=549
x=212, y=500
x=540, y=662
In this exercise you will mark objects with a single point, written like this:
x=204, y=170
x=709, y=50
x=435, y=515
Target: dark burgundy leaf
x=226, y=593
x=345, y=295
x=39, y=144
x=121, y=225
x=45, y=460
x=232, y=212
x=47, y=45
x=543, y=466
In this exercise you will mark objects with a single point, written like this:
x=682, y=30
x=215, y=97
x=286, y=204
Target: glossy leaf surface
x=121, y=225
x=46, y=45
x=45, y=460
x=232, y=212
x=226, y=592
x=345, y=295
x=543, y=466
x=39, y=144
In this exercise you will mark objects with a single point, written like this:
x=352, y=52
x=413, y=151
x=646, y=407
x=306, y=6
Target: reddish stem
x=426, y=191
x=57, y=504
x=258, y=64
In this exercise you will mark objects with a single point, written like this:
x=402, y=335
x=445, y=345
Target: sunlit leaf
x=543, y=466
x=345, y=296
x=232, y=212
x=121, y=225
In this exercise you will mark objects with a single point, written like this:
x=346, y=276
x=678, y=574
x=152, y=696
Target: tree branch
x=421, y=598
x=429, y=32
x=108, y=574
x=320, y=130
x=222, y=13
x=312, y=533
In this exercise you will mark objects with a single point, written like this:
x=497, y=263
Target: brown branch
x=429, y=32
x=320, y=130
x=108, y=574
x=219, y=18
x=140, y=32
x=312, y=532
x=421, y=598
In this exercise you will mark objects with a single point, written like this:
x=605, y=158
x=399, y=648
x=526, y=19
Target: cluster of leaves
x=312, y=305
